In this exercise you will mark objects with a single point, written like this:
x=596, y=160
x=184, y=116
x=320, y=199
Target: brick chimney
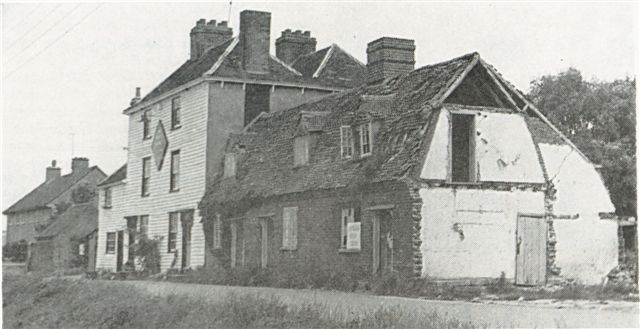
x=207, y=35
x=53, y=172
x=255, y=29
x=388, y=57
x=79, y=164
x=136, y=99
x=291, y=45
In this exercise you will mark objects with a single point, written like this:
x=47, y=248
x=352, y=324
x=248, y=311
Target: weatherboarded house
x=445, y=171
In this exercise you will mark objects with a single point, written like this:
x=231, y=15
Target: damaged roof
x=341, y=70
x=78, y=221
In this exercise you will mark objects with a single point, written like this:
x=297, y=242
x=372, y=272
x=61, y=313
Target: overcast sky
x=72, y=68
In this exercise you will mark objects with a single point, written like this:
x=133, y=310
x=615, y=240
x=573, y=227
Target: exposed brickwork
x=291, y=45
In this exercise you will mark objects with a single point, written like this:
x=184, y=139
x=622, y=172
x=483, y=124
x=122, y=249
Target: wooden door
x=119, y=250
x=382, y=242
x=186, y=219
x=531, y=250
x=132, y=225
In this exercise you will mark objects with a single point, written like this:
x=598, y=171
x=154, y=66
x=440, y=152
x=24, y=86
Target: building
x=69, y=241
x=34, y=210
x=178, y=131
x=444, y=171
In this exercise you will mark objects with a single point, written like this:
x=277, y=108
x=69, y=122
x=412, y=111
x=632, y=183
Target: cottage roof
x=117, y=176
x=78, y=221
x=341, y=69
x=406, y=104
x=45, y=193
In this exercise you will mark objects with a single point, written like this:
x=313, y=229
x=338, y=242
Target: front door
x=132, y=224
x=119, y=250
x=382, y=242
x=187, y=222
x=531, y=250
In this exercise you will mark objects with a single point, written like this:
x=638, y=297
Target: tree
x=599, y=117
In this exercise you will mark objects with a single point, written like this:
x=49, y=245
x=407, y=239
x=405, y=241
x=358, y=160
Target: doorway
x=264, y=242
x=531, y=250
x=119, y=250
x=186, y=219
x=382, y=242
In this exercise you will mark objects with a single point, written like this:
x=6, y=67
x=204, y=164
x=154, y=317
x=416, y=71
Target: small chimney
x=135, y=100
x=207, y=35
x=255, y=30
x=291, y=45
x=388, y=57
x=79, y=165
x=53, y=172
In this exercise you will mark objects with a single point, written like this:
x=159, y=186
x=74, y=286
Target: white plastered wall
x=587, y=247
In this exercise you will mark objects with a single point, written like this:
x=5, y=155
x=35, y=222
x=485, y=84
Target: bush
x=148, y=253
x=16, y=251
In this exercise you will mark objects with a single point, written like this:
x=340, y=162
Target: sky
x=69, y=70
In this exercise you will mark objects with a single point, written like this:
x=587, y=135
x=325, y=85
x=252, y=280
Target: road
x=497, y=314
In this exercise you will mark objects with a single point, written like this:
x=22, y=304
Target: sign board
x=353, y=235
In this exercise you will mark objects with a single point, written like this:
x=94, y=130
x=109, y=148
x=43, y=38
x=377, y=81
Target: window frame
x=289, y=228
x=176, y=113
x=369, y=139
x=346, y=144
x=108, y=196
x=300, y=159
x=172, y=236
x=174, y=172
x=344, y=221
x=146, y=124
x=146, y=176
x=112, y=250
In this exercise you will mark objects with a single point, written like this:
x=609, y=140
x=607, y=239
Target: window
x=146, y=173
x=290, y=228
x=144, y=225
x=217, y=232
x=107, y=198
x=146, y=125
x=350, y=223
x=230, y=165
x=174, y=217
x=175, y=171
x=111, y=243
x=365, y=139
x=300, y=150
x=462, y=148
x=346, y=142
x=175, y=113
x=81, y=251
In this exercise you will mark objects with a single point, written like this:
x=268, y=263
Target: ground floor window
x=351, y=228
x=111, y=243
x=174, y=217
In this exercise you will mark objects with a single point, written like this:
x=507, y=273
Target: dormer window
x=301, y=150
x=462, y=148
x=230, y=165
x=365, y=139
x=346, y=142
x=146, y=124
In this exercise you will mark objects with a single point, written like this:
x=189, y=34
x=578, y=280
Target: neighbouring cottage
x=69, y=242
x=34, y=210
x=446, y=172
x=177, y=133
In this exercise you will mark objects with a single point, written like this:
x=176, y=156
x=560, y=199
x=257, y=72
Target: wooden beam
x=458, y=80
x=495, y=80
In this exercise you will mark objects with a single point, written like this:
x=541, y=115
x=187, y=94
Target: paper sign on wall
x=353, y=235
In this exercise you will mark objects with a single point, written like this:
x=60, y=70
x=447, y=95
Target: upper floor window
x=217, y=232
x=346, y=142
x=350, y=228
x=146, y=175
x=365, y=139
x=107, y=198
x=230, y=165
x=175, y=113
x=175, y=171
x=462, y=148
x=300, y=150
x=174, y=218
x=146, y=124
x=290, y=228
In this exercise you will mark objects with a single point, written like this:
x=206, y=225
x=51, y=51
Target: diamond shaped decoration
x=159, y=145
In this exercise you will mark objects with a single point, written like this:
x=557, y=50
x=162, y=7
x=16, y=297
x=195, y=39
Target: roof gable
x=117, y=176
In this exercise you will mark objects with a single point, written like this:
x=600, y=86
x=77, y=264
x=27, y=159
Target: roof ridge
x=285, y=65
x=324, y=60
x=475, y=54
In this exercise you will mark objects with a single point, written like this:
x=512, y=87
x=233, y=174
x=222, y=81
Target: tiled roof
x=265, y=162
x=46, y=192
x=77, y=221
x=342, y=70
x=332, y=65
x=118, y=176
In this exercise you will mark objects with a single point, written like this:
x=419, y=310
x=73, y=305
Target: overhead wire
x=17, y=39
x=25, y=17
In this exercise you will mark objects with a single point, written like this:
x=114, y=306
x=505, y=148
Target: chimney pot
x=222, y=24
x=52, y=172
x=201, y=22
x=388, y=57
x=79, y=164
x=136, y=99
x=207, y=35
x=212, y=22
x=290, y=46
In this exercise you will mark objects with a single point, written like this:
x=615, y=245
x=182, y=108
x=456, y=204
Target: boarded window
x=111, y=243
x=350, y=223
x=174, y=217
x=175, y=113
x=230, y=165
x=146, y=174
x=256, y=100
x=290, y=228
x=462, y=148
x=146, y=124
x=107, y=197
x=217, y=232
x=175, y=171
x=365, y=139
x=346, y=142
x=300, y=150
